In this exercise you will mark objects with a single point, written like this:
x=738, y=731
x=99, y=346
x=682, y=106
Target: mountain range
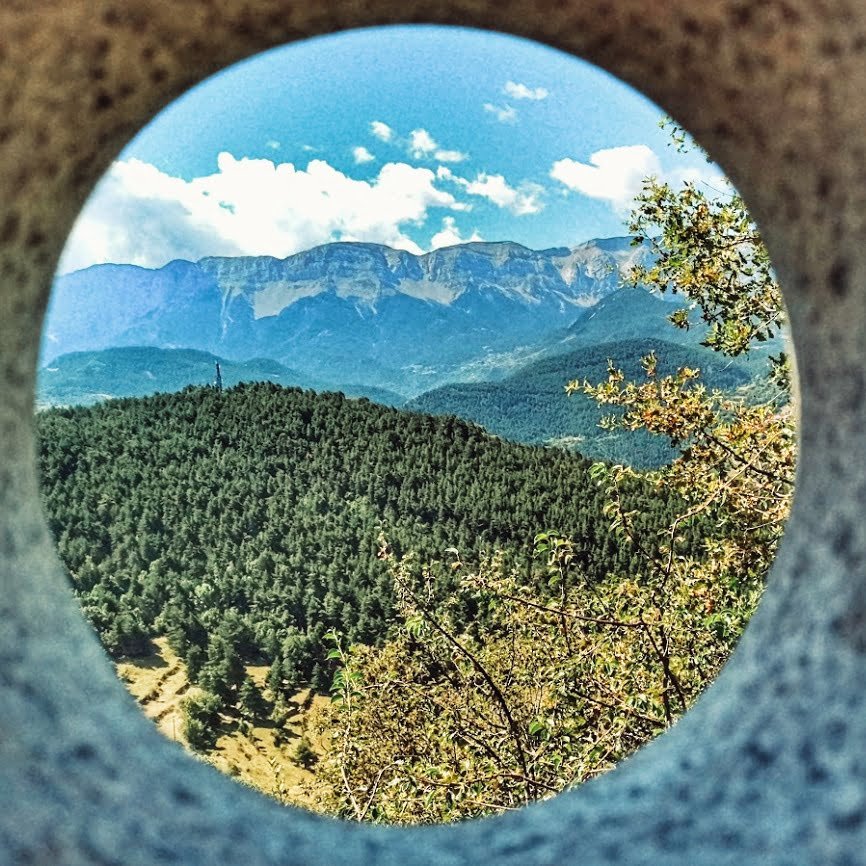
x=347, y=312
x=487, y=332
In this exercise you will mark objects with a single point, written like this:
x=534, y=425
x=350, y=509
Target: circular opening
x=365, y=516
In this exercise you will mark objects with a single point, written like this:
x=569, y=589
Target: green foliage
x=736, y=471
x=201, y=720
x=244, y=524
x=546, y=688
x=707, y=249
x=125, y=635
x=200, y=736
x=252, y=705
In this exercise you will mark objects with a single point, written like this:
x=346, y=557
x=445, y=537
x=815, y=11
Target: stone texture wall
x=770, y=766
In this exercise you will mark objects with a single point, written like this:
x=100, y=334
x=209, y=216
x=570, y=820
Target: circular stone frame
x=770, y=765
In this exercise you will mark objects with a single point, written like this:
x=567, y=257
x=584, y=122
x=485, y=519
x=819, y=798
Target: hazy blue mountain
x=622, y=314
x=531, y=405
x=346, y=312
x=635, y=314
x=82, y=378
x=629, y=314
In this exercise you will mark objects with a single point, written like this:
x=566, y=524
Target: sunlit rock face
x=411, y=322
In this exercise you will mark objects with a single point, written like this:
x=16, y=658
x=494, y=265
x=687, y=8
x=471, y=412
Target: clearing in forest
x=258, y=755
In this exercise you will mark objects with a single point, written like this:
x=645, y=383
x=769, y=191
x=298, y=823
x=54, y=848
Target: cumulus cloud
x=421, y=143
x=521, y=91
x=381, y=130
x=503, y=113
x=141, y=215
x=614, y=175
x=362, y=155
x=450, y=235
x=521, y=201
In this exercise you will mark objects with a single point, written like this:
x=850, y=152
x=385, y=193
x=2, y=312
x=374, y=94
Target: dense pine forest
x=245, y=524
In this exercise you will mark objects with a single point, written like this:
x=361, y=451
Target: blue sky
x=416, y=137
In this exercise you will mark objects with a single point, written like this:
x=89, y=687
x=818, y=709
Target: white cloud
x=450, y=235
x=521, y=91
x=521, y=201
x=362, y=155
x=421, y=143
x=450, y=156
x=273, y=144
x=381, y=130
x=141, y=215
x=503, y=113
x=614, y=175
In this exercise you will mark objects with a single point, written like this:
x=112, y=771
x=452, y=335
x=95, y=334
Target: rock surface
x=408, y=322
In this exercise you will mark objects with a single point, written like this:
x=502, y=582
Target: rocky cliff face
x=407, y=322
x=595, y=269
x=370, y=273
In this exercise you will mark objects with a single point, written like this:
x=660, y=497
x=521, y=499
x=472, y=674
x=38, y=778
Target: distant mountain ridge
x=344, y=311
x=84, y=378
x=522, y=399
x=531, y=405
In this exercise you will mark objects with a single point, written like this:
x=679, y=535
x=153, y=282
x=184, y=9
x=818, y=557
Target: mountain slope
x=633, y=313
x=250, y=518
x=531, y=405
x=83, y=378
x=630, y=314
x=344, y=311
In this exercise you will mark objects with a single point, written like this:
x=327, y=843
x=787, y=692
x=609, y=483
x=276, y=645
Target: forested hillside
x=246, y=523
x=532, y=406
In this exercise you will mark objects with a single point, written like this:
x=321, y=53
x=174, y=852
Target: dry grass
x=259, y=756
